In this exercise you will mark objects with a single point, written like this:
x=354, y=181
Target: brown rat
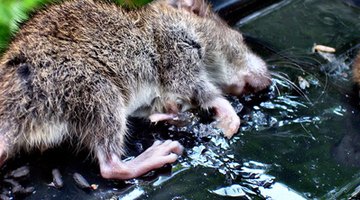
x=78, y=69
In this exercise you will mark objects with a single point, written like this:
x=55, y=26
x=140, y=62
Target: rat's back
x=69, y=70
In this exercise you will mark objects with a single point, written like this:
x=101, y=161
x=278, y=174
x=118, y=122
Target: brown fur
x=356, y=69
x=78, y=69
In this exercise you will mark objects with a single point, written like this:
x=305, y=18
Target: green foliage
x=13, y=12
x=133, y=3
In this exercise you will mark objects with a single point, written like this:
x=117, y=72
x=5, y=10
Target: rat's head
x=230, y=63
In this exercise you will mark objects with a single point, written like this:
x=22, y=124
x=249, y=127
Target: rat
x=78, y=69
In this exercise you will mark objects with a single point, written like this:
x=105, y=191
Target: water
x=299, y=139
x=313, y=142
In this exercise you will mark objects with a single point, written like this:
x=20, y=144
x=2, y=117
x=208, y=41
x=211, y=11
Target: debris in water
x=57, y=180
x=20, y=172
x=323, y=48
x=12, y=182
x=28, y=190
x=303, y=84
x=81, y=181
x=94, y=186
x=4, y=197
x=16, y=188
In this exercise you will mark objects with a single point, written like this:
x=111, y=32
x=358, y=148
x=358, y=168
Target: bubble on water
x=338, y=110
x=280, y=191
x=253, y=171
x=291, y=101
x=235, y=190
x=256, y=108
x=220, y=141
x=256, y=165
x=302, y=119
x=283, y=112
x=272, y=121
x=259, y=118
x=255, y=182
x=230, y=156
x=136, y=193
x=268, y=105
x=236, y=104
x=313, y=80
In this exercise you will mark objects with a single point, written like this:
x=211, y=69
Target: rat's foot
x=226, y=117
x=156, y=156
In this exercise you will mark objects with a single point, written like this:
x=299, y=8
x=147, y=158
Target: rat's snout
x=253, y=77
x=258, y=76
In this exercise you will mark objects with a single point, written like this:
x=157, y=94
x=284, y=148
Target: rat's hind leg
x=109, y=148
x=156, y=156
x=107, y=132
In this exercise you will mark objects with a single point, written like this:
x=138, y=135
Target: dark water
x=313, y=146
x=296, y=142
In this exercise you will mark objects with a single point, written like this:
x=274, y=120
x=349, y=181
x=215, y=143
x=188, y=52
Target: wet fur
x=356, y=69
x=78, y=69
x=79, y=74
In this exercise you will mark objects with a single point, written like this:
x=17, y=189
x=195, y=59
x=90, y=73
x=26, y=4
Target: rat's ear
x=198, y=7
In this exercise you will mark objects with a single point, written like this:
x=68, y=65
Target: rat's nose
x=257, y=77
x=257, y=82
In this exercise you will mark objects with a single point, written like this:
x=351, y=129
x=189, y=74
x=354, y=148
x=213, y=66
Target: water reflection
x=355, y=3
x=245, y=179
x=347, y=150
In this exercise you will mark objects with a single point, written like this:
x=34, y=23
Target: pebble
x=81, y=181
x=57, y=179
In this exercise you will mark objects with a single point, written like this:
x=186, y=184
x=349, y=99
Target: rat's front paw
x=229, y=123
x=226, y=117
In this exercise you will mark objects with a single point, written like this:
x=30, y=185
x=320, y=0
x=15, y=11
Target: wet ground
x=299, y=139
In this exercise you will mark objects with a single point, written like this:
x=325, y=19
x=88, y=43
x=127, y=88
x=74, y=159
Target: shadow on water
x=299, y=139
